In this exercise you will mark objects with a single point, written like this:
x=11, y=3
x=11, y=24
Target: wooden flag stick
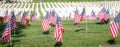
x=10, y=37
x=86, y=24
x=10, y=40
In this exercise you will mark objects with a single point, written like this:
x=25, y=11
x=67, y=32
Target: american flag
x=59, y=31
x=6, y=34
x=114, y=26
x=82, y=15
x=23, y=19
x=107, y=15
x=31, y=16
x=13, y=23
x=45, y=23
x=93, y=16
x=52, y=17
x=114, y=29
x=77, y=17
x=101, y=13
x=117, y=18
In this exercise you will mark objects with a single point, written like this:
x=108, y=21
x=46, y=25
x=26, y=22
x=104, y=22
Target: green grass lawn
x=31, y=36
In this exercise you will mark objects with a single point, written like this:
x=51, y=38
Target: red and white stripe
x=84, y=17
x=13, y=23
x=33, y=18
x=77, y=18
x=106, y=16
x=52, y=19
x=114, y=29
x=23, y=20
x=45, y=25
x=58, y=32
x=6, y=35
x=100, y=15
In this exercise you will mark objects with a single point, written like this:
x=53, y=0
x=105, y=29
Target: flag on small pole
x=45, y=23
x=31, y=15
x=23, y=19
x=77, y=17
x=114, y=26
x=58, y=31
x=52, y=18
x=6, y=36
x=13, y=23
x=84, y=17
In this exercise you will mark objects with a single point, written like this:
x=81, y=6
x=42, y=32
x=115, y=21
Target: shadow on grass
x=79, y=30
x=52, y=25
x=100, y=23
x=75, y=24
x=111, y=41
x=106, y=22
x=58, y=44
x=46, y=32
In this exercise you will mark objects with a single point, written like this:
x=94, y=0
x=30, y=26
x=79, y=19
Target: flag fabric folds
x=107, y=15
x=114, y=29
x=31, y=16
x=6, y=34
x=52, y=17
x=45, y=23
x=103, y=15
x=24, y=20
x=58, y=31
x=114, y=26
x=13, y=23
x=77, y=17
x=82, y=15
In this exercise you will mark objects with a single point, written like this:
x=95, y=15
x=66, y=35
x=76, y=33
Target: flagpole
x=10, y=40
x=86, y=23
x=10, y=36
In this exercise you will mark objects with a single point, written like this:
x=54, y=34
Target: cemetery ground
x=74, y=36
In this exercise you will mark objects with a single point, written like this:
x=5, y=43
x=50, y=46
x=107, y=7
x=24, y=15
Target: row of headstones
x=62, y=4
x=16, y=5
x=70, y=8
x=65, y=8
x=21, y=0
x=19, y=12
